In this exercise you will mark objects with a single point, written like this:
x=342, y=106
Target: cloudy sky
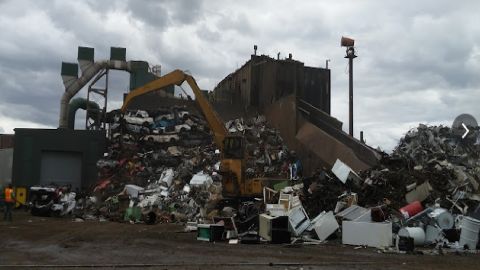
x=419, y=61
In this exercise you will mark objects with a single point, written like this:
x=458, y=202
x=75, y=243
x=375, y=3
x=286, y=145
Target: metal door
x=61, y=168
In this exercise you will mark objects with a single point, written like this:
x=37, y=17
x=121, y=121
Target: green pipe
x=80, y=103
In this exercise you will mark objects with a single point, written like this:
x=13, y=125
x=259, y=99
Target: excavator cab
x=232, y=165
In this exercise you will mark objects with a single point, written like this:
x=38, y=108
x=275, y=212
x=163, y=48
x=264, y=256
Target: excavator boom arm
x=177, y=77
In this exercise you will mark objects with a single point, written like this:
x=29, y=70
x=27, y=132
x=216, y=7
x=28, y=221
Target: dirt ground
x=58, y=243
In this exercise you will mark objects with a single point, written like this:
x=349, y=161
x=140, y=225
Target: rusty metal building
x=296, y=101
x=263, y=80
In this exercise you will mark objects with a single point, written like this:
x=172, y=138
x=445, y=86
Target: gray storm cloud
x=418, y=61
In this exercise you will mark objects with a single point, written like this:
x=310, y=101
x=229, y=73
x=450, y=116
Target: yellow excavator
x=232, y=147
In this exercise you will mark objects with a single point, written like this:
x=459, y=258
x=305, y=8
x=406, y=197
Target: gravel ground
x=58, y=243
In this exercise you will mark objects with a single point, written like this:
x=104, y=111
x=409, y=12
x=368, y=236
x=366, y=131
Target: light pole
x=350, y=54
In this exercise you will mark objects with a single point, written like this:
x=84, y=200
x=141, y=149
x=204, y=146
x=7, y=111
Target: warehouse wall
x=36, y=146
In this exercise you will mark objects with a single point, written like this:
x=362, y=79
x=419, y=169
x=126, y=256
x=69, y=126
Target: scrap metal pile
x=267, y=156
x=162, y=167
x=429, y=164
x=425, y=194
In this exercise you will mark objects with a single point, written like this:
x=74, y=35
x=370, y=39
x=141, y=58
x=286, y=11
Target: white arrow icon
x=466, y=131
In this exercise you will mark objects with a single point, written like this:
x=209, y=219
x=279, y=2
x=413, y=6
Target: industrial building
x=262, y=80
x=296, y=101
x=60, y=156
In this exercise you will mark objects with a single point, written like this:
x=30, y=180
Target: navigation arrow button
x=466, y=131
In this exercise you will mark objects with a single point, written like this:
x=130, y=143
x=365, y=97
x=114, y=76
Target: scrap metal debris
x=429, y=163
x=162, y=166
x=165, y=168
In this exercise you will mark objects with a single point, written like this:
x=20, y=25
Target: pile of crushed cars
x=160, y=168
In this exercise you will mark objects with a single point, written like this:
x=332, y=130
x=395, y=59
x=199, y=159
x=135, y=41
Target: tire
x=172, y=140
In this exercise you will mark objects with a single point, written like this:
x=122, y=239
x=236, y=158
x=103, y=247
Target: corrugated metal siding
x=263, y=80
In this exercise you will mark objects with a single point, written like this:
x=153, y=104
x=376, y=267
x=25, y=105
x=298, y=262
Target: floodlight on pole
x=350, y=54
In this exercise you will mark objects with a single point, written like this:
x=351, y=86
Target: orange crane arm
x=177, y=77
